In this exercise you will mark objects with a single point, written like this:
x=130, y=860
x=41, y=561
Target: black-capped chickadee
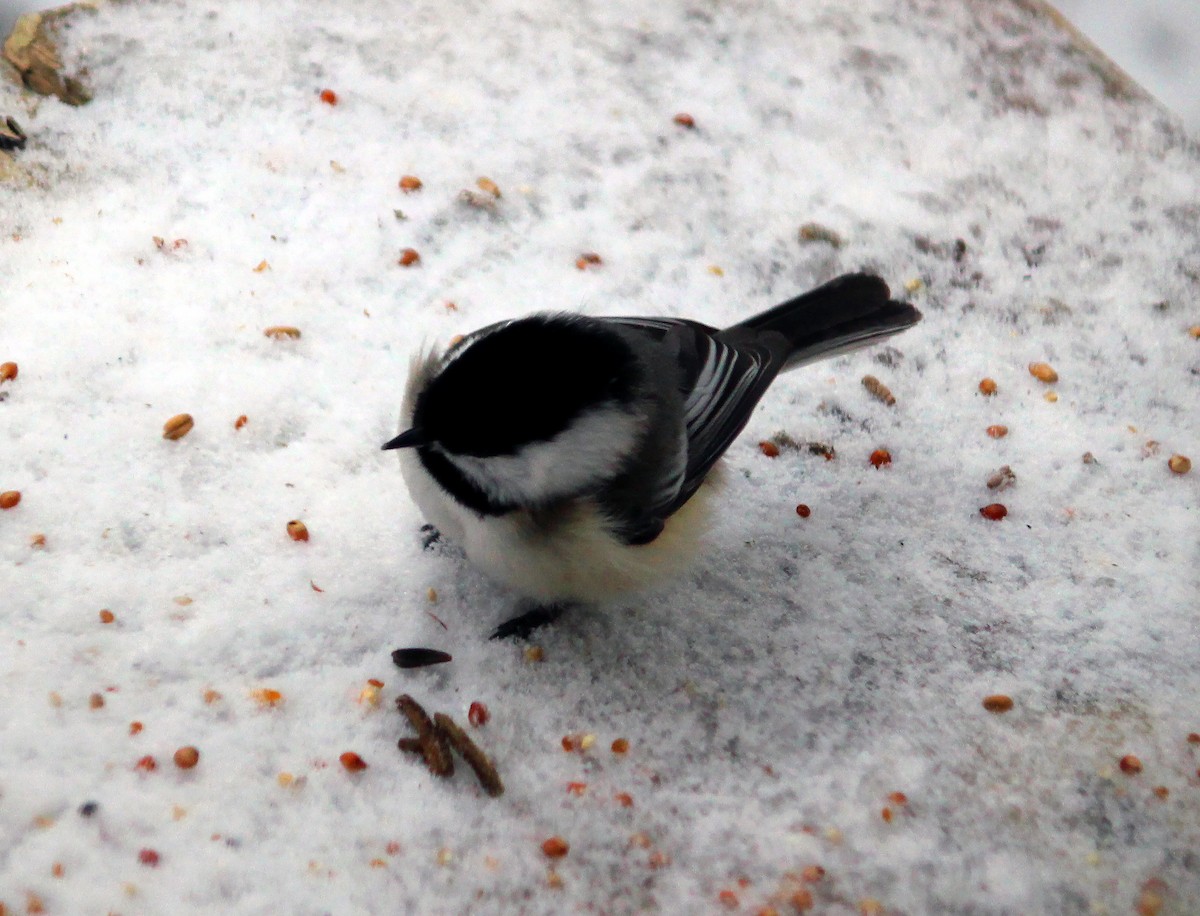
x=572, y=457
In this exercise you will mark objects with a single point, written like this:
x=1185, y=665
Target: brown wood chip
x=433, y=744
x=469, y=751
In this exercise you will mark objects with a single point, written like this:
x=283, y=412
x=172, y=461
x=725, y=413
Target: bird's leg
x=524, y=624
x=429, y=536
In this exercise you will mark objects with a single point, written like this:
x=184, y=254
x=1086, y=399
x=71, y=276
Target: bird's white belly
x=565, y=554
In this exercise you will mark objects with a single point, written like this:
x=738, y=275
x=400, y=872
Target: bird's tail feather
x=846, y=313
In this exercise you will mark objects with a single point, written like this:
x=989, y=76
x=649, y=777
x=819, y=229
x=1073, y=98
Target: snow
x=775, y=697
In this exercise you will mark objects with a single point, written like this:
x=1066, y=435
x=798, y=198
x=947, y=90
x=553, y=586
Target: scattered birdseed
x=419, y=658
x=878, y=390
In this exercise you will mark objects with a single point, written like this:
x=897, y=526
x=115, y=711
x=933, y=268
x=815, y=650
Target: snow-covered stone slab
x=805, y=712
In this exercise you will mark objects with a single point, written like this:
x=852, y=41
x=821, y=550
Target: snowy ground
x=776, y=698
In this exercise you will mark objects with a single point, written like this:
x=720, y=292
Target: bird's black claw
x=429, y=537
x=522, y=625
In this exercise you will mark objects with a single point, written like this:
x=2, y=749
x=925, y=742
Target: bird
x=575, y=459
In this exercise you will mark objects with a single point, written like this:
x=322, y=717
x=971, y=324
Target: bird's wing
x=721, y=382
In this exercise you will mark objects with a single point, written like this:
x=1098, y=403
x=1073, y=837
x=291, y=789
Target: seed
x=812, y=873
x=535, y=654
x=801, y=900
x=803, y=511
x=1194, y=330
x=624, y=799
x=96, y=701
x=987, y=387
x=1001, y=478
x=998, y=703
x=1051, y=397
x=240, y=422
x=148, y=857
x=570, y=743
x=815, y=232
x=588, y=258
x=9, y=498
x=186, y=757
x=409, y=257
x=486, y=184
x=994, y=511
x=878, y=390
x=329, y=97
x=1130, y=765
x=419, y=658
x=265, y=696
x=555, y=847
x=135, y=727
x=728, y=898
x=886, y=814
x=477, y=714
x=683, y=119
x=576, y=788
x=997, y=431
x=768, y=448
x=147, y=764
x=37, y=541
x=1162, y=792
x=352, y=762
x=620, y=746
x=297, y=530
x=1179, y=464
x=8, y=372
x=1193, y=738
x=1043, y=372
x=178, y=426
x=898, y=798
x=261, y=266
x=410, y=183
x=106, y=616
x=282, y=332
x=881, y=457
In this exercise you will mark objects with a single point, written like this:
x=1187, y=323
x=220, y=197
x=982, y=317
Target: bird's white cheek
x=591, y=451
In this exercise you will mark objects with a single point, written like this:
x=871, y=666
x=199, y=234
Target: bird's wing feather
x=721, y=382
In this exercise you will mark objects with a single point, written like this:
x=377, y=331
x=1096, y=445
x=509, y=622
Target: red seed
x=135, y=727
x=576, y=788
x=1130, y=765
x=683, y=119
x=1193, y=738
x=148, y=857
x=106, y=616
x=147, y=764
x=297, y=530
x=994, y=511
x=329, y=97
x=624, y=799
x=886, y=814
x=570, y=743
x=8, y=372
x=410, y=183
x=409, y=257
x=240, y=422
x=620, y=746
x=187, y=757
x=998, y=702
x=987, y=387
x=9, y=499
x=728, y=898
x=477, y=714
x=881, y=457
x=898, y=798
x=803, y=511
x=352, y=762
x=1162, y=792
x=770, y=449
x=997, y=431
x=556, y=847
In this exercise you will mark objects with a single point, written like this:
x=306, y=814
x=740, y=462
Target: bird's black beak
x=408, y=439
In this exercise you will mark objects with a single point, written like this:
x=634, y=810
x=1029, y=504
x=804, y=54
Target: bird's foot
x=523, y=624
